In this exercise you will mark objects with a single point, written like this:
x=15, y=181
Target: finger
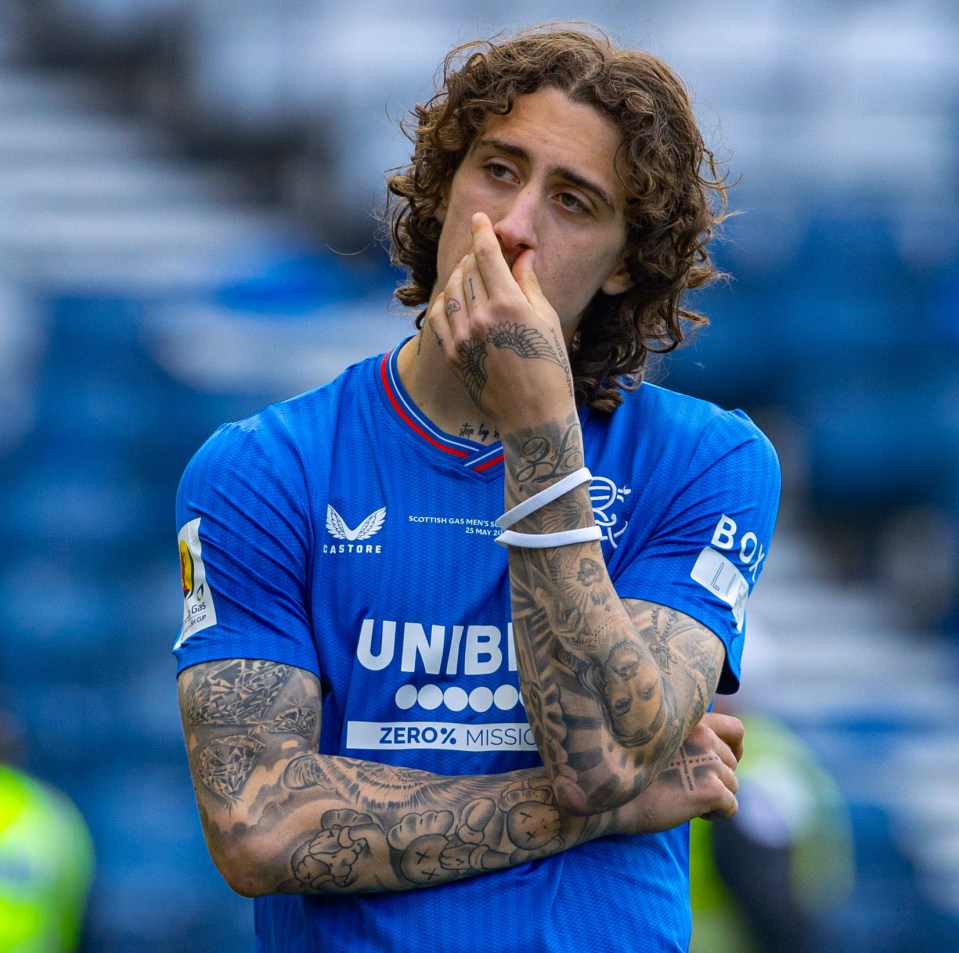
x=501, y=280
x=475, y=293
x=727, y=755
x=490, y=262
x=725, y=803
x=438, y=319
x=730, y=780
x=456, y=315
x=453, y=309
x=727, y=809
x=730, y=729
x=736, y=737
x=704, y=743
x=524, y=274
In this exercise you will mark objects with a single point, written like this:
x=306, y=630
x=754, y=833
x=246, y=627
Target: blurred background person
x=46, y=859
x=772, y=879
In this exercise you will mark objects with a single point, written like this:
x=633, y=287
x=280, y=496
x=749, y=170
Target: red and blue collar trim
x=474, y=456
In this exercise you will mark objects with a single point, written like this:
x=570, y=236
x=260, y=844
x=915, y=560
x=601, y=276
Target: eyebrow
x=570, y=175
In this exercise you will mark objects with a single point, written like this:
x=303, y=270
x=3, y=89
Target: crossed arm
x=280, y=818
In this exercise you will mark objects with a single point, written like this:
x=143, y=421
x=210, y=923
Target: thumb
x=525, y=276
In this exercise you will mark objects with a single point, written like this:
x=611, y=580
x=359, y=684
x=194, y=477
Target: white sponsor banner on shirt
x=377, y=735
x=720, y=576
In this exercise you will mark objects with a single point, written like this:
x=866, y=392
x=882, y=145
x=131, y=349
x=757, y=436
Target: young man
x=401, y=733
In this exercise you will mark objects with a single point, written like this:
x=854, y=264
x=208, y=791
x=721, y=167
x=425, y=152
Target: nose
x=516, y=226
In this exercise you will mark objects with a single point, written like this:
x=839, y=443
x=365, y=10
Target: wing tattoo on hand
x=472, y=358
x=526, y=342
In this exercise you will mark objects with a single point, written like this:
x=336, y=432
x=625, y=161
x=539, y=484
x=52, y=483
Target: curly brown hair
x=676, y=196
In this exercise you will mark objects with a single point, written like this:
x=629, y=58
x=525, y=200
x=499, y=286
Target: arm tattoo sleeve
x=612, y=688
x=317, y=823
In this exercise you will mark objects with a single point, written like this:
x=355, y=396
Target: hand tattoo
x=689, y=765
x=526, y=342
x=472, y=364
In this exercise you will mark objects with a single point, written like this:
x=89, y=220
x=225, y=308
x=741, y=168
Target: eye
x=499, y=171
x=572, y=203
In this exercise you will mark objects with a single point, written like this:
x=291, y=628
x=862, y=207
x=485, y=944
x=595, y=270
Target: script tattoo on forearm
x=560, y=349
x=542, y=456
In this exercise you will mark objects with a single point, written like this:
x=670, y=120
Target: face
x=532, y=824
x=544, y=175
x=631, y=694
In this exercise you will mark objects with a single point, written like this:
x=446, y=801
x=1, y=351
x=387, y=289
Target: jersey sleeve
x=706, y=551
x=245, y=546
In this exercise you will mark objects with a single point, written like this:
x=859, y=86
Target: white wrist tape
x=533, y=503
x=584, y=534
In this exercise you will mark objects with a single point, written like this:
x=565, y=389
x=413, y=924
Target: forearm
x=611, y=695
x=334, y=825
x=280, y=818
x=325, y=824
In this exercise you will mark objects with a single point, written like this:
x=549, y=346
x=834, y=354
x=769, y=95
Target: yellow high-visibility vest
x=46, y=865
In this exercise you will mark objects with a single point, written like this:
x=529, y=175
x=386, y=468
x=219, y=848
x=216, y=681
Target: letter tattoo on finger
x=452, y=305
x=472, y=289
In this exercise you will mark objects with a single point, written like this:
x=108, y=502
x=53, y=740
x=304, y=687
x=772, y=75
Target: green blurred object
x=719, y=925
x=790, y=806
x=46, y=866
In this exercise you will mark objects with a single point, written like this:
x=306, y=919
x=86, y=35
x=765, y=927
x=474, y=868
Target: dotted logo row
x=480, y=699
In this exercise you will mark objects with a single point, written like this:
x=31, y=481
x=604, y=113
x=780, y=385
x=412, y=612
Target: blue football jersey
x=343, y=533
